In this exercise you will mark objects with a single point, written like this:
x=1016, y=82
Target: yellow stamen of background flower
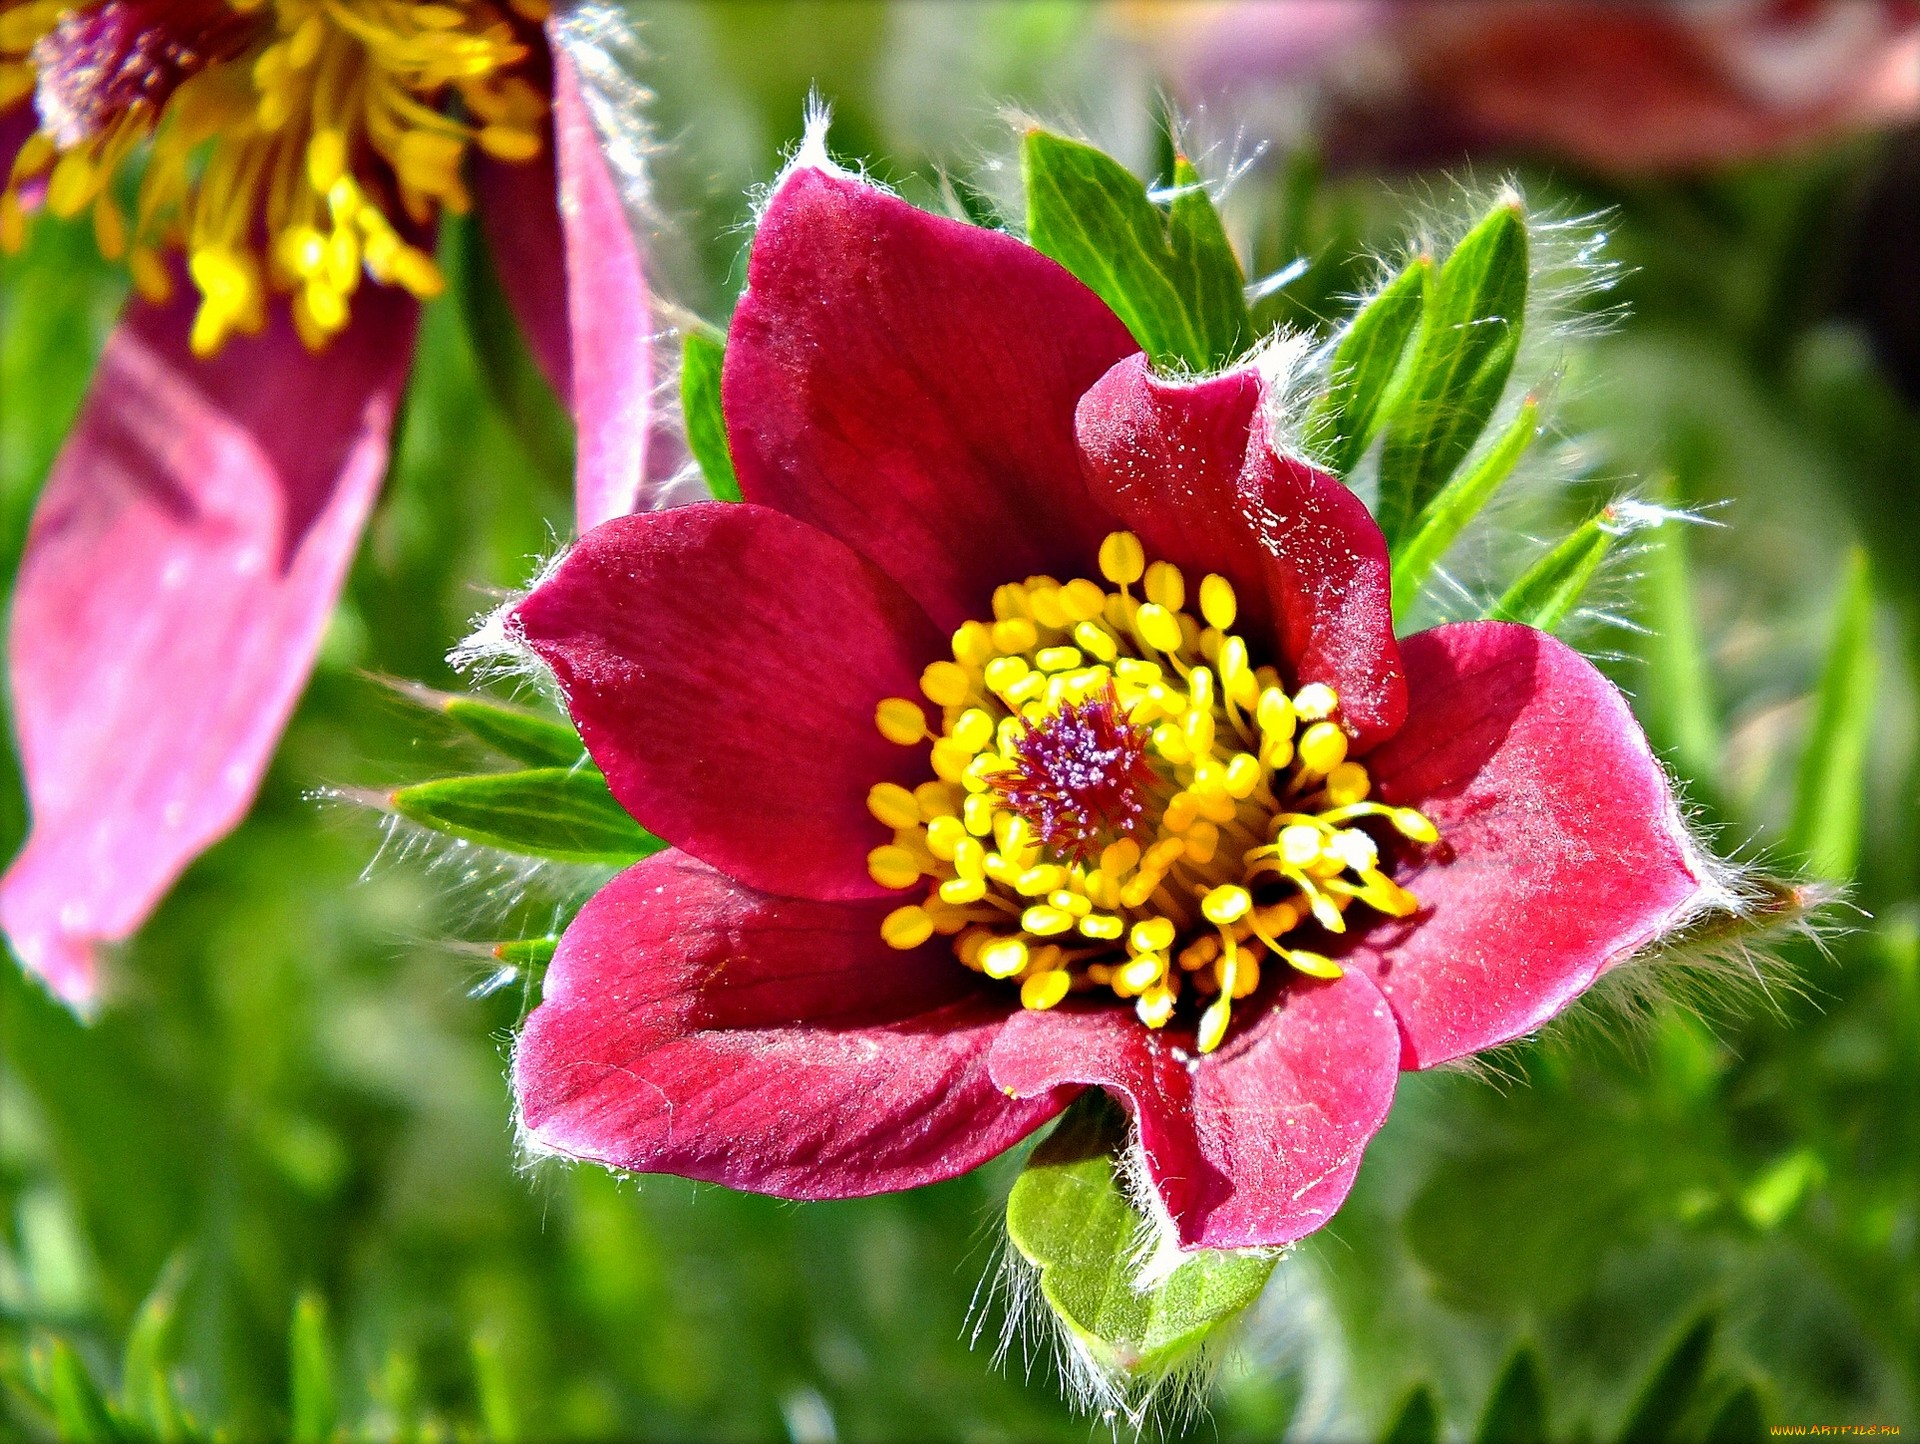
x=299, y=166
x=1250, y=828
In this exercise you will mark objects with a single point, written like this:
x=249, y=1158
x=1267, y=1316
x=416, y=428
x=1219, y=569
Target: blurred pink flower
x=1617, y=86
x=195, y=531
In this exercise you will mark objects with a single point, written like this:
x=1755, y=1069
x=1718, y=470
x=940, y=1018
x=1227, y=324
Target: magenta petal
x=516, y=204
x=1253, y=1145
x=183, y=560
x=907, y=382
x=723, y=663
x=1561, y=849
x=693, y=1026
x=1189, y=466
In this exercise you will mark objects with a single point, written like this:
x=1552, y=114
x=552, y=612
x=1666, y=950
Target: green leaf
x=702, y=354
x=146, y=1392
x=1829, y=795
x=1673, y=1390
x=1551, y=588
x=1516, y=1411
x=524, y=736
x=1678, y=700
x=314, y=1408
x=533, y=953
x=1443, y=519
x=499, y=1416
x=1469, y=336
x=565, y=814
x=1364, y=363
x=1742, y=1419
x=1070, y=1218
x=1417, y=1421
x=1171, y=276
x=80, y=1412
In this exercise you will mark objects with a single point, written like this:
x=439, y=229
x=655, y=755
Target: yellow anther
x=1315, y=965
x=1005, y=673
x=1010, y=600
x=1104, y=926
x=1037, y=881
x=1003, y=958
x=1170, y=741
x=1043, y=990
x=1203, y=841
x=1200, y=689
x=1165, y=586
x=893, y=804
x=1323, y=747
x=963, y=890
x=1163, y=854
x=1122, y=559
x=1152, y=935
x=969, y=858
x=1015, y=634
x=1315, y=701
x=950, y=760
x=1070, y=902
x=1213, y=1024
x=1300, y=843
x=1217, y=602
x=1347, y=783
x=1353, y=848
x=1117, y=859
x=1143, y=972
x=976, y=813
x=900, y=721
x=1213, y=803
x=1243, y=775
x=1155, y=1007
x=1057, y=659
x=945, y=684
x=944, y=836
x=1047, y=608
x=973, y=730
x=1199, y=730
x=1044, y=921
x=1275, y=713
x=1414, y=826
x=1102, y=888
x=973, y=644
x=934, y=800
x=1199, y=953
x=1082, y=600
x=892, y=867
x=906, y=927
x=1246, y=976
x=1157, y=628
x=1136, y=672
x=1226, y=904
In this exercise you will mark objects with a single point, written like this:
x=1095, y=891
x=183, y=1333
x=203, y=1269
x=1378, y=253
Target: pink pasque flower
x=1036, y=724
x=197, y=527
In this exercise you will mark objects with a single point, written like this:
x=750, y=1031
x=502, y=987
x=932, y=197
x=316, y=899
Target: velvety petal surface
x=906, y=383
x=182, y=562
x=692, y=1026
x=723, y=662
x=1561, y=849
x=1254, y=1144
x=1190, y=466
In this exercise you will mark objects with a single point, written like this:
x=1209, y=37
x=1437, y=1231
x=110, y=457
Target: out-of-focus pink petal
x=183, y=560
x=519, y=214
x=1254, y=1144
x=1561, y=850
x=906, y=383
x=723, y=662
x=693, y=1026
x=1189, y=466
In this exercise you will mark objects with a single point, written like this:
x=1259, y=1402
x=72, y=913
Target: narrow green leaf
x=80, y=1411
x=1171, y=277
x=527, y=952
x=1462, y=499
x=1516, y=1411
x=1742, y=1419
x=1069, y=1217
x=1678, y=700
x=524, y=736
x=1364, y=363
x=314, y=1407
x=146, y=1392
x=561, y=813
x=1469, y=336
x=493, y=1391
x=1551, y=588
x=1673, y=1389
x=702, y=354
x=1417, y=1421
x=1829, y=796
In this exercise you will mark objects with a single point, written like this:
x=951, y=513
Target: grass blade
x=314, y=1408
x=1829, y=797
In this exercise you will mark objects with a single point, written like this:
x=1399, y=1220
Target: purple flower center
x=1081, y=777
x=99, y=63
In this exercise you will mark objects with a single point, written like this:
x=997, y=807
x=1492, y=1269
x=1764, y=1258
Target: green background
x=300, y=1086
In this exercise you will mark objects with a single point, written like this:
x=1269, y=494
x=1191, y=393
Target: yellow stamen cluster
x=1251, y=804
x=306, y=140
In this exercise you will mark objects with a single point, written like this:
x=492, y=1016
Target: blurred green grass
x=296, y=1088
